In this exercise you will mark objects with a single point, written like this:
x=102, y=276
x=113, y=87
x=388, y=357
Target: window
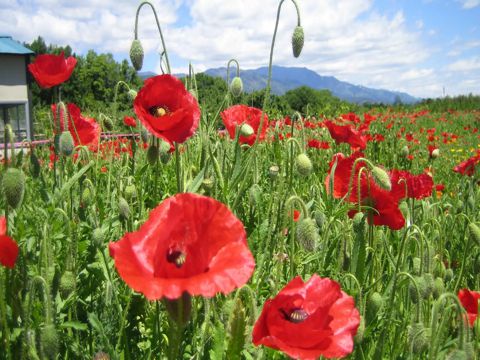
x=15, y=115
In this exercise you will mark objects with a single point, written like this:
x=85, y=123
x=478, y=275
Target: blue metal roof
x=10, y=46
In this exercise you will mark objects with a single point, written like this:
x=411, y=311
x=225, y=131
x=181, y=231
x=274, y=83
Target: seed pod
x=136, y=54
x=418, y=337
x=246, y=130
x=435, y=153
x=66, y=143
x=123, y=209
x=298, y=39
x=374, y=305
x=236, y=86
x=67, y=283
x=49, y=340
x=307, y=234
x=273, y=171
x=381, y=178
x=13, y=186
x=304, y=164
x=474, y=231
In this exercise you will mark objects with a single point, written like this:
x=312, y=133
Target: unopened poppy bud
x=298, y=39
x=236, y=86
x=130, y=192
x=307, y=234
x=404, y=151
x=474, y=231
x=164, y=151
x=246, y=130
x=66, y=143
x=34, y=165
x=67, y=283
x=448, y=275
x=435, y=153
x=304, y=164
x=123, y=209
x=439, y=269
x=457, y=354
x=320, y=219
x=13, y=186
x=132, y=94
x=374, y=304
x=86, y=198
x=438, y=288
x=359, y=223
x=98, y=237
x=136, y=54
x=417, y=266
x=152, y=155
x=49, y=339
x=429, y=285
x=381, y=178
x=418, y=337
x=144, y=135
x=273, y=171
x=108, y=124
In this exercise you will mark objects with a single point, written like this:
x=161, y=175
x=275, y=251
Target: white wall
x=13, y=81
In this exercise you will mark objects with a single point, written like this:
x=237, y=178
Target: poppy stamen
x=177, y=257
x=159, y=111
x=298, y=316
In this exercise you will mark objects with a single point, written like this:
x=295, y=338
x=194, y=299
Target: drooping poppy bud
x=418, y=337
x=136, y=54
x=307, y=234
x=98, y=237
x=152, y=155
x=132, y=94
x=236, y=86
x=474, y=231
x=381, y=178
x=298, y=39
x=13, y=186
x=246, y=130
x=374, y=304
x=66, y=143
x=123, y=209
x=304, y=164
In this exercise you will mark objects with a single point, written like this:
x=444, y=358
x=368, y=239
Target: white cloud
x=469, y=64
x=470, y=4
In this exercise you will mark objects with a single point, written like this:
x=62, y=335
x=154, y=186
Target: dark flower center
x=159, y=111
x=176, y=257
x=297, y=316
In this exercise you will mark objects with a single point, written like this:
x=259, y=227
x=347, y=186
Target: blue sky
x=421, y=47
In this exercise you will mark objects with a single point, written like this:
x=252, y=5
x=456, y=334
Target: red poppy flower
x=129, y=121
x=190, y=243
x=343, y=172
x=407, y=185
x=50, y=70
x=85, y=131
x=317, y=144
x=8, y=247
x=346, y=134
x=470, y=301
x=309, y=320
x=167, y=109
x=468, y=166
x=241, y=114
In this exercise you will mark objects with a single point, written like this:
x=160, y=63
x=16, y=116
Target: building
x=15, y=103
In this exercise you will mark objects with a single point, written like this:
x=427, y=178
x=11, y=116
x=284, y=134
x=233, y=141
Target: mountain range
x=288, y=78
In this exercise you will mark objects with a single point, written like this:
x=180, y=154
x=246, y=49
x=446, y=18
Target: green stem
x=3, y=312
x=159, y=30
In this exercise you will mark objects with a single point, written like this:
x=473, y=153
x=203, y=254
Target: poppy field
x=170, y=232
